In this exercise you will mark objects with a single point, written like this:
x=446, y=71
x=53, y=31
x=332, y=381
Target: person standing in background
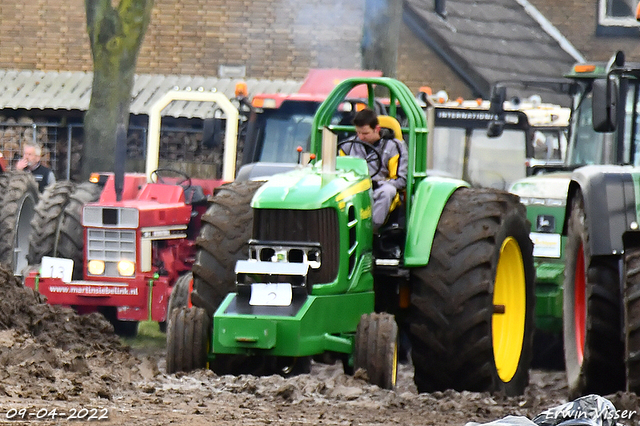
x=30, y=161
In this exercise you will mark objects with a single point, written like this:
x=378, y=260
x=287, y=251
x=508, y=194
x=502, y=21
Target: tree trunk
x=115, y=35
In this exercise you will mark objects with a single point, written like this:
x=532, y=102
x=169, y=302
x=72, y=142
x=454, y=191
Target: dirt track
x=54, y=359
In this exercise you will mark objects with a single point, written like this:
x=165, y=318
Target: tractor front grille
x=111, y=246
x=312, y=226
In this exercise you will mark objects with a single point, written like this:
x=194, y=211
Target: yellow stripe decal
x=393, y=166
x=363, y=185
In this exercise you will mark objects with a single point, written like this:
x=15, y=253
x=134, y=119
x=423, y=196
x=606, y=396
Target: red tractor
x=280, y=123
x=124, y=245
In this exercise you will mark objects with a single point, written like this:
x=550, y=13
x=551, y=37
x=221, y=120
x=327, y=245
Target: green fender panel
x=429, y=200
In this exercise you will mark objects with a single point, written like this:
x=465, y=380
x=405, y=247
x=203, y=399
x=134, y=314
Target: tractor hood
x=551, y=186
x=308, y=188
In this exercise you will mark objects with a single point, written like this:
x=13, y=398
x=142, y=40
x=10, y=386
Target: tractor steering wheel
x=376, y=160
x=185, y=183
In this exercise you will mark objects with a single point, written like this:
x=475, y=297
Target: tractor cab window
x=283, y=130
x=587, y=146
x=497, y=162
x=283, y=135
x=447, y=154
x=632, y=126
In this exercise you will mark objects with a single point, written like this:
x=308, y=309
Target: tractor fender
x=610, y=194
x=431, y=195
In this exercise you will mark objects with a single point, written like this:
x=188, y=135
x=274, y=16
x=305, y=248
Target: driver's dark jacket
x=394, y=158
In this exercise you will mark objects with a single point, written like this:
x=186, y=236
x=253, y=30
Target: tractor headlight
x=126, y=268
x=96, y=267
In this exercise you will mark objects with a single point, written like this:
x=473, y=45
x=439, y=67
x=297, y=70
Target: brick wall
x=44, y=35
x=271, y=38
x=577, y=21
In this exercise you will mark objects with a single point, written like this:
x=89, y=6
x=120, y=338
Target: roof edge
x=478, y=84
x=550, y=29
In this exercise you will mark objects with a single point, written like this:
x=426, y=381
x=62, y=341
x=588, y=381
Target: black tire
x=180, y=293
x=71, y=236
x=548, y=351
x=179, y=297
x=632, y=318
x=45, y=225
x=481, y=260
x=187, y=339
x=376, y=349
x=593, y=348
x=19, y=192
x=224, y=236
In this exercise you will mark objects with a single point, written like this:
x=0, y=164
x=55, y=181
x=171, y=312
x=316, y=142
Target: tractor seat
x=389, y=242
x=391, y=123
x=194, y=195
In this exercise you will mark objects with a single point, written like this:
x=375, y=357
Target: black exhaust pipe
x=121, y=156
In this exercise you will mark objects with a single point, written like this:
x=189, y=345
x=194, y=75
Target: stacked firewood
x=176, y=146
x=14, y=134
x=74, y=160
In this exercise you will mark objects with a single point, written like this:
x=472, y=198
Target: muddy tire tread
x=450, y=317
x=46, y=222
x=602, y=370
x=223, y=239
x=15, y=187
x=71, y=239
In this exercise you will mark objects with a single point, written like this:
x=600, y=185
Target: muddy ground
x=54, y=364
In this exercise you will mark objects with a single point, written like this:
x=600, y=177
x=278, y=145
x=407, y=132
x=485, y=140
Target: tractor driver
x=391, y=179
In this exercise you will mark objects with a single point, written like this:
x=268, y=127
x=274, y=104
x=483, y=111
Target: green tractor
x=585, y=230
x=452, y=270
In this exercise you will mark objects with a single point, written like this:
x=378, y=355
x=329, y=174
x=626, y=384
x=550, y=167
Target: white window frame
x=609, y=21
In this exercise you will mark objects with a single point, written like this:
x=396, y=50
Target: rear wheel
x=376, y=349
x=187, y=339
x=594, y=351
x=71, y=237
x=19, y=192
x=471, y=318
x=224, y=236
x=45, y=225
x=632, y=318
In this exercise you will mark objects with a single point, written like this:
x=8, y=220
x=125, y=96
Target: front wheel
x=187, y=339
x=179, y=297
x=376, y=349
x=471, y=319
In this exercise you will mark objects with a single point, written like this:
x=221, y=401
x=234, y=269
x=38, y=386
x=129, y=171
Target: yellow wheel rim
x=510, y=304
x=394, y=369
